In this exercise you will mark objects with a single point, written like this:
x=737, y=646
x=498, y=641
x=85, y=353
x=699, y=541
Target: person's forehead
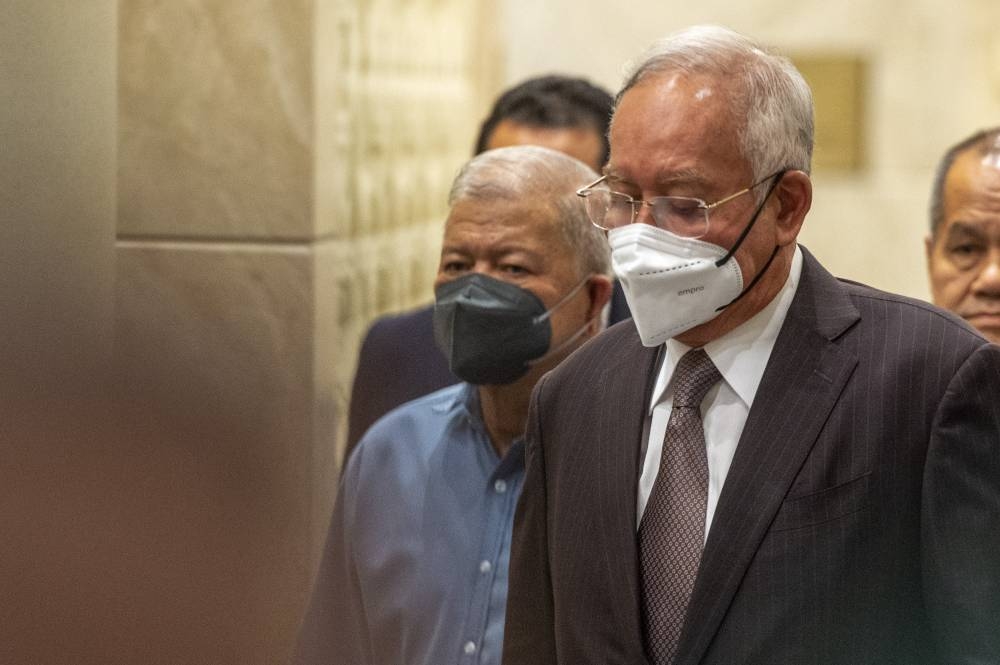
x=582, y=142
x=678, y=127
x=475, y=228
x=972, y=182
x=509, y=132
x=677, y=93
x=493, y=218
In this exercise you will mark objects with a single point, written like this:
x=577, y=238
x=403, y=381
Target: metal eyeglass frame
x=636, y=204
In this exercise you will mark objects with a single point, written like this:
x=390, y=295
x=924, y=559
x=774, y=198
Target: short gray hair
x=984, y=140
x=547, y=176
x=771, y=94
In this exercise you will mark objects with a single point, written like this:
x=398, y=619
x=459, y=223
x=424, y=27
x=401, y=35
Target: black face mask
x=491, y=331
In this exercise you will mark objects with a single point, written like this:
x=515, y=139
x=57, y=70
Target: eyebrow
x=662, y=180
x=499, y=251
x=960, y=227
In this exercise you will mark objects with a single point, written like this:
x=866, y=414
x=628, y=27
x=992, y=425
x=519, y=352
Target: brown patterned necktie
x=672, y=530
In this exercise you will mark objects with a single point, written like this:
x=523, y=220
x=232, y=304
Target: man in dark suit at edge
x=770, y=465
x=398, y=360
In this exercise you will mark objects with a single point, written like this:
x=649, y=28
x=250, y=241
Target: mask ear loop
x=569, y=340
x=572, y=338
x=753, y=220
x=739, y=241
x=547, y=313
x=752, y=283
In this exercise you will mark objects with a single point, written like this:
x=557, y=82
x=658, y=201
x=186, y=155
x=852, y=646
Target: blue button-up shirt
x=415, y=567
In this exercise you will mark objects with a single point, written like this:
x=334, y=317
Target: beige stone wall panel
x=341, y=299
x=284, y=169
x=227, y=334
x=403, y=102
x=215, y=112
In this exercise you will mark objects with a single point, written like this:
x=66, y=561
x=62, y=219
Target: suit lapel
x=629, y=378
x=805, y=375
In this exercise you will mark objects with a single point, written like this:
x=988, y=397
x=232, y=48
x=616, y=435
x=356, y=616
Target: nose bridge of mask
x=562, y=301
x=488, y=292
x=666, y=243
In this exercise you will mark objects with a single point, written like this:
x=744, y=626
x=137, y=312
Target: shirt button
x=500, y=486
x=469, y=648
x=485, y=567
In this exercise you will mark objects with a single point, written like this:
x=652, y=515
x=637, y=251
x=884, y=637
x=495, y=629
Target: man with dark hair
x=550, y=110
x=399, y=360
x=963, y=247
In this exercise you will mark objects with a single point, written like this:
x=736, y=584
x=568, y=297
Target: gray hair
x=547, y=176
x=771, y=94
x=984, y=140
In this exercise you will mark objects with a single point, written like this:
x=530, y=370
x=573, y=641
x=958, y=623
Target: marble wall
x=283, y=174
x=934, y=77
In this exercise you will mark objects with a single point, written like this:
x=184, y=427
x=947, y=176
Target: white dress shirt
x=740, y=356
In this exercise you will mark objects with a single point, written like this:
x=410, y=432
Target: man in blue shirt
x=564, y=113
x=415, y=567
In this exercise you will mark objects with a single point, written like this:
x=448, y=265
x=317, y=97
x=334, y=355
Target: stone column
x=283, y=173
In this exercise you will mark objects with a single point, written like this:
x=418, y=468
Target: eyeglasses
x=681, y=215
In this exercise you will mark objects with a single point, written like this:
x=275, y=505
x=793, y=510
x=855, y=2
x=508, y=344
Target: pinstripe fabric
x=859, y=523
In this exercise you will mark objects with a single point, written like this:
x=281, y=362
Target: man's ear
x=599, y=289
x=794, y=197
x=929, y=250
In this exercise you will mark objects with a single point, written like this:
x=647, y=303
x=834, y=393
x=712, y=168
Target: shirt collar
x=742, y=353
x=466, y=400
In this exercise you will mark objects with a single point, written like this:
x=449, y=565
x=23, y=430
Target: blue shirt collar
x=466, y=400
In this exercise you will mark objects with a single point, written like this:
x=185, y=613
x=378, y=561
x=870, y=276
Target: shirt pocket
x=823, y=506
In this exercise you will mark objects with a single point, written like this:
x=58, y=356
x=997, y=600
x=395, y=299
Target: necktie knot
x=694, y=376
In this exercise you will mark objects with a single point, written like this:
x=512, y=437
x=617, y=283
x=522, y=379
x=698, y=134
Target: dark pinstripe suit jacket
x=859, y=522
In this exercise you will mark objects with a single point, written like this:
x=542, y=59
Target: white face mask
x=672, y=284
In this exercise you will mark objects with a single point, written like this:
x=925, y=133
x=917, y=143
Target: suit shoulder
x=394, y=326
x=617, y=347
x=615, y=340
x=396, y=342
x=906, y=311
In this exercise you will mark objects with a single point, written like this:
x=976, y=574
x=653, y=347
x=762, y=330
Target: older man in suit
x=770, y=465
